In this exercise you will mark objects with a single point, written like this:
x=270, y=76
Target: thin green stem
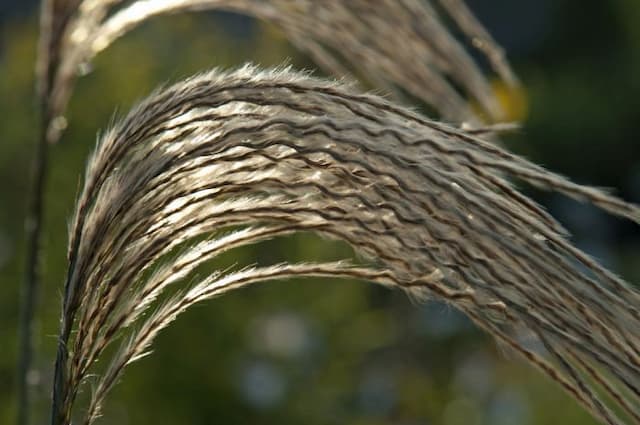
x=32, y=282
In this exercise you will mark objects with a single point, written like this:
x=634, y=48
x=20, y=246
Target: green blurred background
x=317, y=351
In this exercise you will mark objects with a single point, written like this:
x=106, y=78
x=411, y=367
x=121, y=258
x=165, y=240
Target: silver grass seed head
x=428, y=208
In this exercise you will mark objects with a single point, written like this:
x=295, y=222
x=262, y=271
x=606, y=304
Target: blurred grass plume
x=341, y=37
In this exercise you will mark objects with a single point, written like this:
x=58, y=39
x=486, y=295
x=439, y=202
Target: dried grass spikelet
x=341, y=37
x=276, y=152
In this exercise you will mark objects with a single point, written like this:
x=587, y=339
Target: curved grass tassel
x=230, y=159
x=341, y=37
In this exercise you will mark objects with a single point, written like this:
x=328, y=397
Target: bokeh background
x=318, y=351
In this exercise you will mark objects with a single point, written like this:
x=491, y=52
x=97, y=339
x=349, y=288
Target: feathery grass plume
x=266, y=154
x=342, y=37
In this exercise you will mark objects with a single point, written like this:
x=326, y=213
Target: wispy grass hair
x=271, y=153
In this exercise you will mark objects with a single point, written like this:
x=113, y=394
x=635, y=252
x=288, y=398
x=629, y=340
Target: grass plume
x=226, y=159
x=341, y=37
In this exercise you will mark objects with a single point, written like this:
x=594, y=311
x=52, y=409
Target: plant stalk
x=32, y=282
